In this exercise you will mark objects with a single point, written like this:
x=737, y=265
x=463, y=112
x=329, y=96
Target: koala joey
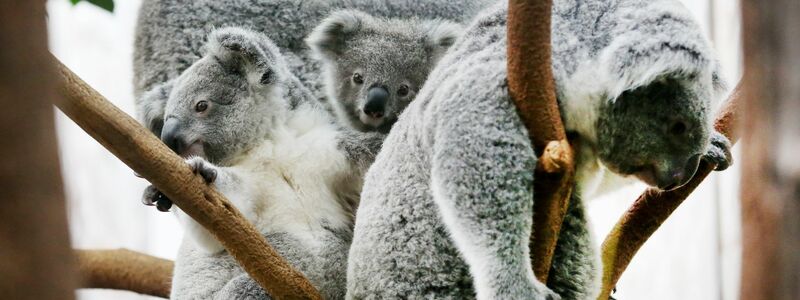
x=373, y=67
x=446, y=209
x=250, y=129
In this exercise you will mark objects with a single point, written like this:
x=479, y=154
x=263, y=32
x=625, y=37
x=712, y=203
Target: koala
x=249, y=128
x=170, y=33
x=446, y=209
x=374, y=66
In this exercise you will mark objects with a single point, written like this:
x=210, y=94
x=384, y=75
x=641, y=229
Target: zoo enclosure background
x=694, y=255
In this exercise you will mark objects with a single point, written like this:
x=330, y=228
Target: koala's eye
x=402, y=91
x=358, y=78
x=678, y=128
x=201, y=106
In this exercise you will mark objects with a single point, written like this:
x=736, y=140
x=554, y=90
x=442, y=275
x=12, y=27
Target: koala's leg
x=482, y=182
x=242, y=287
x=575, y=271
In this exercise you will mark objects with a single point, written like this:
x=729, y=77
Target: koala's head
x=225, y=102
x=374, y=67
x=657, y=132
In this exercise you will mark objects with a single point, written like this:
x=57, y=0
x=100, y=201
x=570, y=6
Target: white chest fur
x=297, y=182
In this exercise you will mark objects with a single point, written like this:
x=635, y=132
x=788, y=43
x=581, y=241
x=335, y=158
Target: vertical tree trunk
x=770, y=164
x=35, y=257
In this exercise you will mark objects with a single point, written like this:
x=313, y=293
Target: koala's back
x=170, y=33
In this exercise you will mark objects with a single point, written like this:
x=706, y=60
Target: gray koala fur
x=446, y=208
x=373, y=67
x=170, y=33
x=250, y=128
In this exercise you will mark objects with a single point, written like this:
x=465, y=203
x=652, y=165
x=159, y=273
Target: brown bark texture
x=532, y=88
x=122, y=269
x=147, y=156
x=653, y=207
x=770, y=187
x=35, y=257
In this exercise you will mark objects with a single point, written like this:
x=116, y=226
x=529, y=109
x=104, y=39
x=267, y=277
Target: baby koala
x=373, y=67
x=253, y=131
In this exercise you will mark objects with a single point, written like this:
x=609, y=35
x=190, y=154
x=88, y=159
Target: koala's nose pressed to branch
x=672, y=177
x=170, y=135
x=377, y=97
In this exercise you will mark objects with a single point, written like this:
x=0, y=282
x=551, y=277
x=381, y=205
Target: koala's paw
x=720, y=152
x=200, y=166
x=154, y=197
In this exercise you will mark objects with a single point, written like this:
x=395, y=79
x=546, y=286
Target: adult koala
x=251, y=129
x=446, y=209
x=170, y=33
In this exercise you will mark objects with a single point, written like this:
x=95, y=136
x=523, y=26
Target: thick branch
x=123, y=269
x=531, y=86
x=147, y=156
x=770, y=183
x=35, y=257
x=653, y=207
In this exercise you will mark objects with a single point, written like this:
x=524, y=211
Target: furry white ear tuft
x=330, y=36
x=443, y=34
x=245, y=51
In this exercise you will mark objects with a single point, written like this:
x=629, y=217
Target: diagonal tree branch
x=122, y=269
x=532, y=88
x=146, y=155
x=653, y=207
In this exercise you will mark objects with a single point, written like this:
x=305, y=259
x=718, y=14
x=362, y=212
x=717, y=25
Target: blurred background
x=694, y=255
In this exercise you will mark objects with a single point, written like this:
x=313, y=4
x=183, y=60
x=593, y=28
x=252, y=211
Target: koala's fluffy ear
x=247, y=52
x=150, y=107
x=330, y=37
x=440, y=35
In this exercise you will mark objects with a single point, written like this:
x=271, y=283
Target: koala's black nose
x=170, y=135
x=680, y=175
x=377, y=97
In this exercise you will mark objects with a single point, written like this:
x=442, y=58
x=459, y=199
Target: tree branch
x=653, y=207
x=532, y=88
x=122, y=269
x=147, y=156
x=770, y=183
x=35, y=257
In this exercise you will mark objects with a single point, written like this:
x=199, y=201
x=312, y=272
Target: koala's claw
x=719, y=153
x=199, y=166
x=153, y=197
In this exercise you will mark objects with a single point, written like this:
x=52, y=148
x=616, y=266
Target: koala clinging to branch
x=373, y=67
x=250, y=128
x=446, y=209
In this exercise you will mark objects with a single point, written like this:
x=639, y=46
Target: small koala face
x=657, y=132
x=227, y=101
x=375, y=67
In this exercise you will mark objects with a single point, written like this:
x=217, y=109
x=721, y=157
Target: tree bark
x=35, y=257
x=771, y=170
x=147, y=156
x=653, y=207
x=532, y=88
x=127, y=270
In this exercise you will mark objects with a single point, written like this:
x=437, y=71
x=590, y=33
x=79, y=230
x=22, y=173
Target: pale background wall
x=695, y=254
